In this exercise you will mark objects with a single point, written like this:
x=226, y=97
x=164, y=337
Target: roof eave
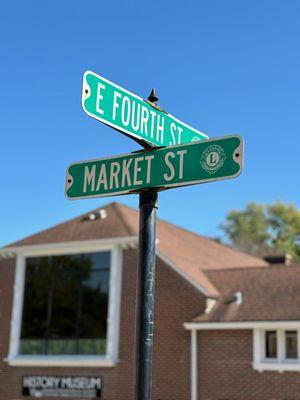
x=240, y=325
x=40, y=249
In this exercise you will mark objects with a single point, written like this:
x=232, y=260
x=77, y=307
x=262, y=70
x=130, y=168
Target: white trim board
x=280, y=367
x=242, y=325
x=75, y=246
x=62, y=361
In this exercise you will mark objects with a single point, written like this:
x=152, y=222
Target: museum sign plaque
x=76, y=387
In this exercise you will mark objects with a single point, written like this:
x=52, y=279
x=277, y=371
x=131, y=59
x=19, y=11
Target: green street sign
x=133, y=116
x=187, y=164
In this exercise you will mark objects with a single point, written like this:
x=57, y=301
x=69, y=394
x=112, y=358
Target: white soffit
x=76, y=246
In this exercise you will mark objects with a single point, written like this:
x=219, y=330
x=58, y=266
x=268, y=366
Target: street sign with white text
x=130, y=114
x=173, y=166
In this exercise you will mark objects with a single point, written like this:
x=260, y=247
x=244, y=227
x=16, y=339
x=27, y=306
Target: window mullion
x=49, y=304
x=298, y=345
x=79, y=309
x=280, y=345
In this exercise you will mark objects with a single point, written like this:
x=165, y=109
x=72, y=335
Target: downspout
x=194, y=366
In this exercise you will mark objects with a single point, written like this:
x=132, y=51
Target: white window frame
x=114, y=303
x=280, y=363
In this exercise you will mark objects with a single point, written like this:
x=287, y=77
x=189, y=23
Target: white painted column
x=16, y=320
x=258, y=345
x=194, y=365
x=298, y=345
x=280, y=345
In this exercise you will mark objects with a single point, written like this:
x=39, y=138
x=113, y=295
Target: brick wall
x=176, y=302
x=226, y=373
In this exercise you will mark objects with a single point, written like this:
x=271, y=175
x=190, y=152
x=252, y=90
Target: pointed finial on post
x=153, y=96
x=153, y=99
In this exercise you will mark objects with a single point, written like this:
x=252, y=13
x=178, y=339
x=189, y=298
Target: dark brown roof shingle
x=268, y=294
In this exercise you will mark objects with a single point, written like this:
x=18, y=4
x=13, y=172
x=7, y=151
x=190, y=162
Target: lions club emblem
x=212, y=159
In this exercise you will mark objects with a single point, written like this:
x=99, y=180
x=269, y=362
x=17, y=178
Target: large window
x=65, y=304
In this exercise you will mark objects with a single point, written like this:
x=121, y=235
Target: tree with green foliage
x=265, y=230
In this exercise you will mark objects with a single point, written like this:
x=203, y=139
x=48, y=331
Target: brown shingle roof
x=82, y=228
x=190, y=252
x=268, y=294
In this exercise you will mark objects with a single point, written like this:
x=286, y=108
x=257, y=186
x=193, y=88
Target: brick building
x=226, y=323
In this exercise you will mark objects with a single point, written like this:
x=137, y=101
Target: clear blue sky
x=224, y=67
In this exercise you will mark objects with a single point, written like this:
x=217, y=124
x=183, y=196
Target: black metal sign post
x=146, y=270
x=146, y=265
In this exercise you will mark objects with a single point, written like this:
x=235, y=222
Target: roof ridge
x=182, y=228
x=78, y=217
x=229, y=269
x=264, y=267
x=168, y=223
x=47, y=228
